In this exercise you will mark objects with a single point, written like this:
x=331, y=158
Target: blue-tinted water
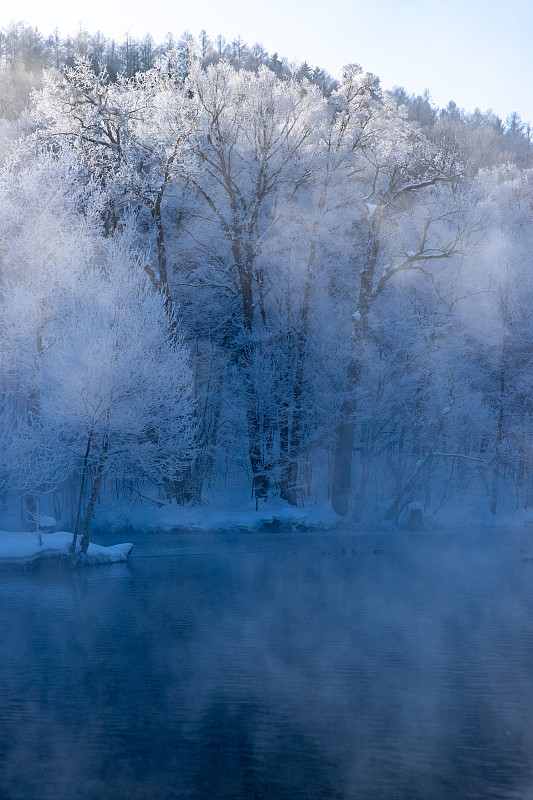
x=272, y=667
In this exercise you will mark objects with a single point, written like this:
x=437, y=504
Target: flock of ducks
x=353, y=551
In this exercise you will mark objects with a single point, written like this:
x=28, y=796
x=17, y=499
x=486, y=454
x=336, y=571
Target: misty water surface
x=272, y=666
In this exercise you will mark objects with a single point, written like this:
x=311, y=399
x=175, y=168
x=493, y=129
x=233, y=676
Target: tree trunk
x=31, y=510
x=342, y=465
x=403, y=495
x=161, y=248
x=342, y=468
x=80, y=496
x=289, y=479
x=89, y=513
x=284, y=453
x=260, y=479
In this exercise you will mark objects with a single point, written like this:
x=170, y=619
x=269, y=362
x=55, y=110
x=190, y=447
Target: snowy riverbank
x=25, y=547
x=232, y=514
x=275, y=515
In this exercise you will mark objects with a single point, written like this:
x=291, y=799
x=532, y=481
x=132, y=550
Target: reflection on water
x=272, y=667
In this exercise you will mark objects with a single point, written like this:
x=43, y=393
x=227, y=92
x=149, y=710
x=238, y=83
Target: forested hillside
x=222, y=275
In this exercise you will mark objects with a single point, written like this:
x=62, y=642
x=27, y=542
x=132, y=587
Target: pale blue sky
x=476, y=52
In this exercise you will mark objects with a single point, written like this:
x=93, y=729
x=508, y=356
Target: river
x=272, y=667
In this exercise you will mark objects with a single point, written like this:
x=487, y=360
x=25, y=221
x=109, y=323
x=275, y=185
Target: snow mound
x=22, y=548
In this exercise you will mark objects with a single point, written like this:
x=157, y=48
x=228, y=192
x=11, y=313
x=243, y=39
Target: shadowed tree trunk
x=80, y=495
x=89, y=512
x=342, y=466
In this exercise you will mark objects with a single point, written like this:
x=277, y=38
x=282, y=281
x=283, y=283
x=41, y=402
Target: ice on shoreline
x=25, y=547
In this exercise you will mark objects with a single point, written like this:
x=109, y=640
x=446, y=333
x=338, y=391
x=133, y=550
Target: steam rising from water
x=272, y=667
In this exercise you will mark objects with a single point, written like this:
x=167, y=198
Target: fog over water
x=275, y=667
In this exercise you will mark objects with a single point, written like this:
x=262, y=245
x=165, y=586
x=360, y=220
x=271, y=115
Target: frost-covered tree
x=130, y=135
x=501, y=329
x=96, y=377
x=255, y=147
x=115, y=387
x=352, y=283
x=409, y=218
